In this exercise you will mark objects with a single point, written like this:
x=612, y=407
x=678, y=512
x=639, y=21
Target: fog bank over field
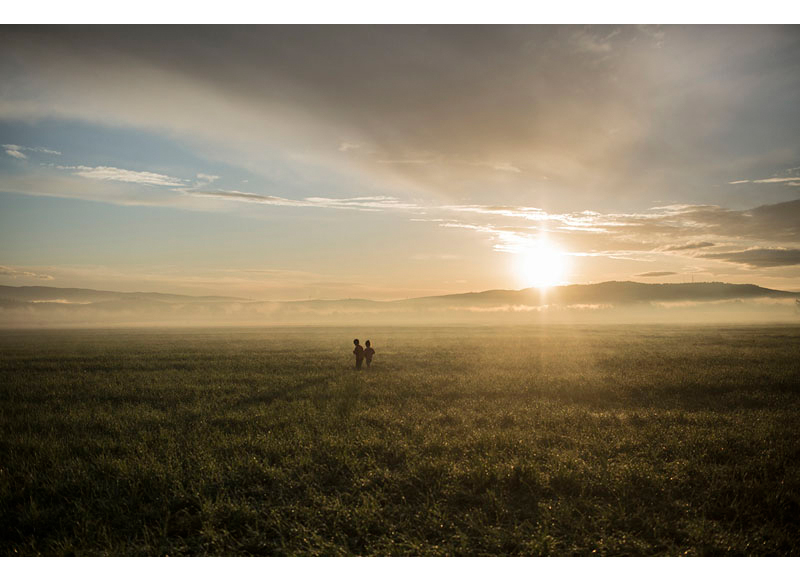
x=608, y=302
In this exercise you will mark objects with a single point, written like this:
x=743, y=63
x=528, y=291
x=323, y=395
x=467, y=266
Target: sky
x=294, y=162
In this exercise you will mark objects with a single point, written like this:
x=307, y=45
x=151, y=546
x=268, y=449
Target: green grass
x=461, y=441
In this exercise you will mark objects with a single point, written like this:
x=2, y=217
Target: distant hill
x=603, y=302
x=615, y=293
x=84, y=295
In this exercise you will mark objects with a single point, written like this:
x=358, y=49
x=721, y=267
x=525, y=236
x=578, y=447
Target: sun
x=540, y=264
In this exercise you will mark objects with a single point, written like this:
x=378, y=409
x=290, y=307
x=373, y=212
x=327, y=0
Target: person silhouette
x=368, y=353
x=359, y=352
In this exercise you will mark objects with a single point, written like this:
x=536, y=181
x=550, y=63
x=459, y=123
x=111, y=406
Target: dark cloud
x=775, y=223
x=693, y=246
x=760, y=258
x=655, y=274
x=780, y=221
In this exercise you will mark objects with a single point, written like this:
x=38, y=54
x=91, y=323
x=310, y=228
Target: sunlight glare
x=540, y=264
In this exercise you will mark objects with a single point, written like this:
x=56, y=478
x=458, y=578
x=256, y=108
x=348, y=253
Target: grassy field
x=459, y=441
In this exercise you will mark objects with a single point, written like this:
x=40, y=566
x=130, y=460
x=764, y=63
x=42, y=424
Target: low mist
x=607, y=303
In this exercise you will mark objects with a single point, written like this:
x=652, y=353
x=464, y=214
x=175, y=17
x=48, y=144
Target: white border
x=401, y=568
x=409, y=11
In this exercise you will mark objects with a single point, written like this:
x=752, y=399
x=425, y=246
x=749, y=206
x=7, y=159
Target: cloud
x=365, y=203
x=16, y=153
x=501, y=166
x=638, y=236
x=760, y=258
x=505, y=167
x=14, y=273
x=378, y=202
x=657, y=234
x=103, y=173
x=437, y=116
x=692, y=246
x=593, y=108
x=206, y=178
x=345, y=146
x=777, y=180
x=792, y=180
x=667, y=224
x=249, y=197
x=17, y=150
x=44, y=150
x=655, y=274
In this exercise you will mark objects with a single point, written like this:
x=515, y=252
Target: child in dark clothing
x=359, y=352
x=368, y=353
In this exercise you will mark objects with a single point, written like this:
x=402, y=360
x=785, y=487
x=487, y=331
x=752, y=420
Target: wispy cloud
x=790, y=176
x=103, y=173
x=589, y=221
x=496, y=165
x=17, y=150
x=364, y=203
x=206, y=178
x=234, y=195
x=674, y=222
x=504, y=167
x=345, y=146
x=664, y=232
x=378, y=202
x=14, y=273
x=777, y=179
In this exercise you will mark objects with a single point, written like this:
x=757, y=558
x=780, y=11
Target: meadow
x=540, y=440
